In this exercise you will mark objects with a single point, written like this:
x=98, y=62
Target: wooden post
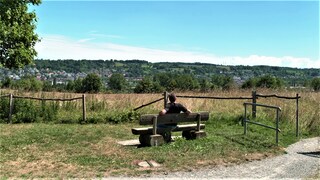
x=165, y=98
x=297, y=115
x=155, y=124
x=84, y=107
x=10, y=108
x=254, y=107
x=198, y=121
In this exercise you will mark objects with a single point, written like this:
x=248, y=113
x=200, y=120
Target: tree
x=269, y=82
x=77, y=85
x=117, y=82
x=146, y=85
x=249, y=84
x=187, y=82
x=222, y=82
x=204, y=85
x=28, y=83
x=163, y=79
x=17, y=36
x=7, y=83
x=315, y=84
x=47, y=86
x=92, y=83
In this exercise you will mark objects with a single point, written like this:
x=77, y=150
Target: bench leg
x=192, y=134
x=200, y=134
x=188, y=135
x=166, y=136
x=151, y=140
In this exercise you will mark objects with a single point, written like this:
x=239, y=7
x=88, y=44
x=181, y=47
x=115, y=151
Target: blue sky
x=278, y=33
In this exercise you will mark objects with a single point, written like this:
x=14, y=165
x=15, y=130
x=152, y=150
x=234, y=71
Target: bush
x=222, y=82
x=24, y=111
x=28, y=111
x=146, y=85
x=249, y=84
x=4, y=106
x=267, y=81
x=7, y=83
x=315, y=84
x=125, y=116
x=28, y=83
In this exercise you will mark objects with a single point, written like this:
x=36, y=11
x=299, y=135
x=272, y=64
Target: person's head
x=172, y=97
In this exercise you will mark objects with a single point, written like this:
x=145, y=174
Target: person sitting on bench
x=172, y=107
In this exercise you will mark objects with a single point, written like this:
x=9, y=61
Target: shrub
x=315, y=84
x=267, y=81
x=125, y=116
x=24, y=111
x=4, y=106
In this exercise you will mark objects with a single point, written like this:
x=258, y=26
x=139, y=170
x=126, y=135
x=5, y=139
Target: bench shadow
x=238, y=141
x=315, y=154
x=231, y=139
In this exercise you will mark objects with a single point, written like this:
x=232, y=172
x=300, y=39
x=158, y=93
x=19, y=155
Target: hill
x=139, y=68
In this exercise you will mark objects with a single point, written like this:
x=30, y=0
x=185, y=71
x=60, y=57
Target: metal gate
x=245, y=120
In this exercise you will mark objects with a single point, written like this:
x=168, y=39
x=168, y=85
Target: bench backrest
x=173, y=118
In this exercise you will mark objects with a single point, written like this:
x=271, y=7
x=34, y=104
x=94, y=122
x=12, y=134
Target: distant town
x=64, y=71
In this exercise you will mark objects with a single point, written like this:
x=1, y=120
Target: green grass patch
x=40, y=150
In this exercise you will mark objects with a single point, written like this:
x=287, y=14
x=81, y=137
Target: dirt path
x=301, y=161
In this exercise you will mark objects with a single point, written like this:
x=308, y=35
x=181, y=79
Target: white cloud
x=60, y=47
x=85, y=40
x=110, y=36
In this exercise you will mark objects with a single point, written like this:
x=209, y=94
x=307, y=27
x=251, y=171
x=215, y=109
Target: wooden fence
x=253, y=97
x=12, y=97
x=297, y=97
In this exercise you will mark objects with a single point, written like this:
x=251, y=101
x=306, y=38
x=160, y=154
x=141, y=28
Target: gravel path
x=301, y=161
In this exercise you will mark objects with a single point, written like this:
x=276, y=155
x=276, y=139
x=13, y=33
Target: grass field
x=51, y=150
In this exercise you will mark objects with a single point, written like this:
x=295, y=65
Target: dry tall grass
x=309, y=107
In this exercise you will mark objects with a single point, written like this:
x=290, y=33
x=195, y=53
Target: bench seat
x=182, y=127
x=154, y=136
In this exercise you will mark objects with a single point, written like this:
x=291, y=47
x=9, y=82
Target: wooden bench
x=153, y=136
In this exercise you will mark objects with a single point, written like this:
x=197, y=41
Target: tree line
x=160, y=82
x=140, y=68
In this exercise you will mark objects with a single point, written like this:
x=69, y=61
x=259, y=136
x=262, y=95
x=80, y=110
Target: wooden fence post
x=297, y=115
x=10, y=108
x=165, y=99
x=254, y=107
x=84, y=107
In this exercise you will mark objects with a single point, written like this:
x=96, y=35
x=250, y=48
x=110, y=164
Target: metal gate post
x=277, y=127
x=245, y=119
x=297, y=115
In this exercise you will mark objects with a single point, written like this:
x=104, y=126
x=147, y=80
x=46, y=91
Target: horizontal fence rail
x=277, y=96
x=214, y=97
x=4, y=95
x=12, y=97
x=144, y=105
x=262, y=105
x=263, y=125
x=47, y=99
